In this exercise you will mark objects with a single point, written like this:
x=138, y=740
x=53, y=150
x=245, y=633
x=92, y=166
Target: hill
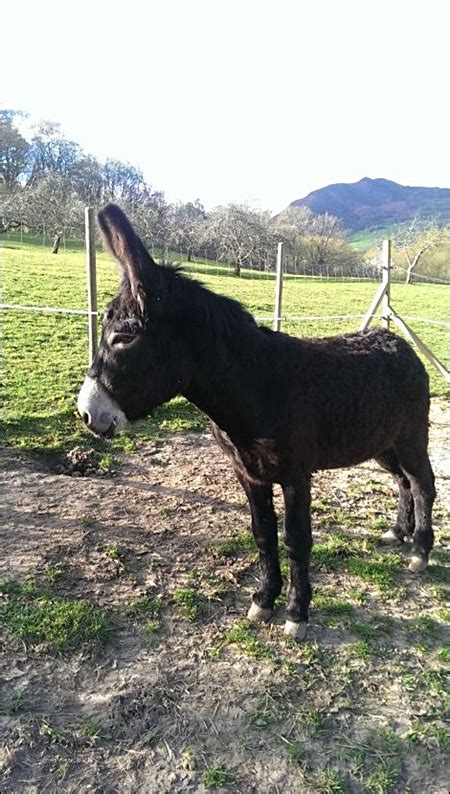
x=376, y=203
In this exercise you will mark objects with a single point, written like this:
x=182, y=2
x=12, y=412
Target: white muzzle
x=98, y=410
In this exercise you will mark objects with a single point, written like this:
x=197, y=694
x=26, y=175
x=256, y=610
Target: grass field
x=44, y=355
x=363, y=241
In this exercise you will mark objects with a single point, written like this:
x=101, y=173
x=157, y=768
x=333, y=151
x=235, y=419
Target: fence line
x=432, y=279
x=329, y=317
x=46, y=309
x=389, y=315
x=260, y=318
x=382, y=296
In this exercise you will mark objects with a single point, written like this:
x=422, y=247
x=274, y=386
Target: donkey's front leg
x=298, y=542
x=264, y=527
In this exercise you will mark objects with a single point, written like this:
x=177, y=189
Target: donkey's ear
x=123, y=242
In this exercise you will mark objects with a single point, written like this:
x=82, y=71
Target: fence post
x=91, y=274
x=278, y=289
x=386, y=281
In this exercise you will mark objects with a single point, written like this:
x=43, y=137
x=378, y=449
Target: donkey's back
x=349, y=398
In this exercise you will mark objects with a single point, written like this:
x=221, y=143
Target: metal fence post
x=386, y=281
x=91, y=273
x=278, y=289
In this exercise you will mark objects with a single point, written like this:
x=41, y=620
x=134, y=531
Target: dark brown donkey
x=281, y=407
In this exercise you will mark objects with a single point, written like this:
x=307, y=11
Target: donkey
x=281, y=407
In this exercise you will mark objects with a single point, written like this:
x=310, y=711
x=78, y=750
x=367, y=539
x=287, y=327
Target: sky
x=245, y=100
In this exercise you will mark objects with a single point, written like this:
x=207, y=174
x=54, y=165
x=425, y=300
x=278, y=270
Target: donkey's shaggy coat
x=281, y=407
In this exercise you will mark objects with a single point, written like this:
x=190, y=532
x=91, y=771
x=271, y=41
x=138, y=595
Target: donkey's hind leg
x=404, y=526
x=415, y=463
x=298, y=542
x=265, y=532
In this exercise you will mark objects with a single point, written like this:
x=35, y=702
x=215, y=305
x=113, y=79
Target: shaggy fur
x=281, y=407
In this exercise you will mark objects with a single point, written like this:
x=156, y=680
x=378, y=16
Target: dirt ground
x=182, y=706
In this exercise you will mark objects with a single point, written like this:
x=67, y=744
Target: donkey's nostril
x=86, y=418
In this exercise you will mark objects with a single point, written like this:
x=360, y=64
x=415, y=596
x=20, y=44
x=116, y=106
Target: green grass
x=329, y=781
x=91, y=731
x=365, y=240
x=326, y=603
x=189, y=603
x=336, y=548
x=297, y=752
x=113, y=552
x=45, y=355
x=380, y=570
x=230, y=548
x=39, y=617
x=433, y=735
x=215, y=777
x=146, y=606
x=242, y=635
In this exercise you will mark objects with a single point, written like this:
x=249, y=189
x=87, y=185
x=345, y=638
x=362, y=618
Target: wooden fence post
x=383, y=296
x=91, y=273
x=278, y=289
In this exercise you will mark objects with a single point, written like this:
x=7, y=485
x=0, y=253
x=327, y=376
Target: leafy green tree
x=14, y=150
x=51, y=153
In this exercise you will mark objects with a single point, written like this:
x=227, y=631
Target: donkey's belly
x=257, y=461
x=338, y=449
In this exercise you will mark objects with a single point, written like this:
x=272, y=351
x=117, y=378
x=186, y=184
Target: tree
x=416, y=241
x=239, y=235
x=187, y=222
x=151, y=217
x=50, y=205
x=291, y=227
x=87, y=180
x=14, y=150
x=51, y=152
x=323, y=231
x=124, y=184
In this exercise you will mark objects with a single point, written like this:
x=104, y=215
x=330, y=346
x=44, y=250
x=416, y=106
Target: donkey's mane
x=222, y=315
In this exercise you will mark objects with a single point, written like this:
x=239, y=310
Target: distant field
x=44, y=355
x=364, y=240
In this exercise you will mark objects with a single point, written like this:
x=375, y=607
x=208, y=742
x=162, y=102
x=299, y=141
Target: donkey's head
x=141, y=361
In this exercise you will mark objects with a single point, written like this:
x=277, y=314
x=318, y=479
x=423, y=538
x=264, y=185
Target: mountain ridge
x=376, y=203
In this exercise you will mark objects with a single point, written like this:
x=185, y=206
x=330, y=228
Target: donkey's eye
x=122, y=339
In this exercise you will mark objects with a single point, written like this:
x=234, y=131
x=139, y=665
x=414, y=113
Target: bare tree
x=416, y=240
x=292, y=227
x=152, y=217
x=239, y=235
x=187, y=221
x=52, y=206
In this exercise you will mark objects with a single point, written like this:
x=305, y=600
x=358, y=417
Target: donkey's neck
x=232, y=382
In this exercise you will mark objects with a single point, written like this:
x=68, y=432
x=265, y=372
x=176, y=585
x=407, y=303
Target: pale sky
x=240, y=100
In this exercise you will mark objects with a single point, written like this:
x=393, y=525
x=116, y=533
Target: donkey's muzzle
x=99, y=411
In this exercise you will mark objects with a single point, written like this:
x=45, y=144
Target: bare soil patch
x=173, y=700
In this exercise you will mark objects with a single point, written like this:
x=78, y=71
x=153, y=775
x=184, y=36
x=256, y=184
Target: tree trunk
x=412, y=265
x=56, y=243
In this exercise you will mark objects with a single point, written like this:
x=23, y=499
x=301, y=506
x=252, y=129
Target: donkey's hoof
x=295, y=630
x=417, y=564
x=391, y=538
x=259, y=614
